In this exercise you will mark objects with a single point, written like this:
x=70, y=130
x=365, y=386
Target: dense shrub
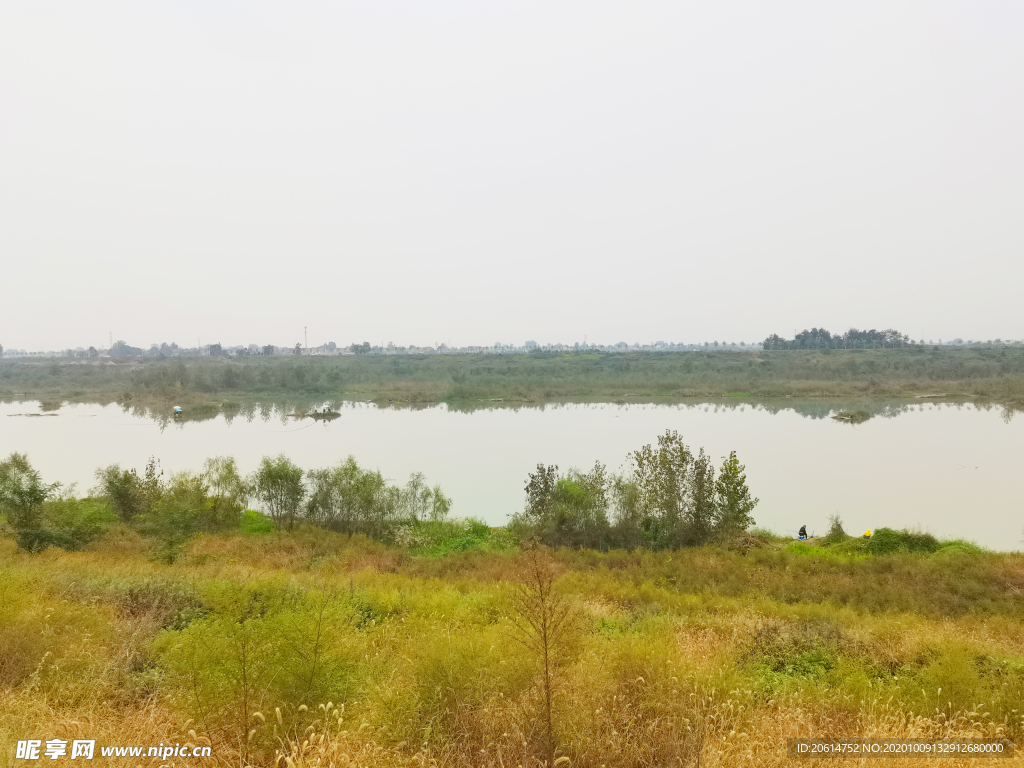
x=345, y=498
x=277, y=484
x=260, y=646
x=961, y=546
x=41, y=515
x=228, y=492
x=129, y=494
x=885, y=541
x=173, y=511
x=836, y=534
x=349, y=499
x=566, y=510
x=65, y=522
x=22, y=491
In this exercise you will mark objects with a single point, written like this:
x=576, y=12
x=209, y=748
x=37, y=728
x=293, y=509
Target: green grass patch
x=962, y=546
x=253, y=521
x=885, y=541
x=444, y=537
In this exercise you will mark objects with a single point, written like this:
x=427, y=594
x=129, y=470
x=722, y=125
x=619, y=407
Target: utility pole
x=305, y=337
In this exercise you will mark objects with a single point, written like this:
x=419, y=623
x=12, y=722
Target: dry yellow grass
x=709, y=658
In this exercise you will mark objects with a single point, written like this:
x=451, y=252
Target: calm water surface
x=951, y=469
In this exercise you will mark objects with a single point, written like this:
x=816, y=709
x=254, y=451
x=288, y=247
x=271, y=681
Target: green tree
x=121, y=348
x=317, y=666
x=732, y=496
x=339, y=497
x=836, y=534
x=661, y=475
x=42, y=515
x=701, y=511
x=332, y=503
x=540, y=492
x=628, y=514
x=350, y=499
x=548, y=624
x=178, y=514
x=130, y=495
x=277, y=483
x=421, y=502
x=22, y=491
x=259, y=646
x=223, y=666
x=566, y=511
x=229, y=492
x=66, y=522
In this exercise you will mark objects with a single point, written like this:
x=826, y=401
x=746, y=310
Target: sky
x=467, y=172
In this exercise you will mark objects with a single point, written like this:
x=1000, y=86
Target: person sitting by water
x=803, y=533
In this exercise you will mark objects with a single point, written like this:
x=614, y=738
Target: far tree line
x=819, y=338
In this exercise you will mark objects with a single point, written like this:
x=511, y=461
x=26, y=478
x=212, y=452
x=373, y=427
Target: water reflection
x=288, y=410
x=853, y=411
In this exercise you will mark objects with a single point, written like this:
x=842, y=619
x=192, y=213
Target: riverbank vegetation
x=309, y=640
x=669, y=497
x=995, y=374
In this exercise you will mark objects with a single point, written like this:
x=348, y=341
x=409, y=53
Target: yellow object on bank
x=867, y=534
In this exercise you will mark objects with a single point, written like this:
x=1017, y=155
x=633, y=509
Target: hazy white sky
x=481, y=171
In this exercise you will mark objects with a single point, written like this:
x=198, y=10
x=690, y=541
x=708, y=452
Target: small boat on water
x=324, y=414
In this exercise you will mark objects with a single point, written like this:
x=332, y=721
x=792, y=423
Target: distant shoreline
x=992, y=375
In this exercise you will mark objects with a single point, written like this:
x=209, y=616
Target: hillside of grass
x=328, y=649
x=995, y=374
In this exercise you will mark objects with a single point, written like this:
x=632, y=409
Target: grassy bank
x=992, y=374
x=706, y=654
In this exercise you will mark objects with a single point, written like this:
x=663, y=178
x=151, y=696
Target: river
x=949, y=468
